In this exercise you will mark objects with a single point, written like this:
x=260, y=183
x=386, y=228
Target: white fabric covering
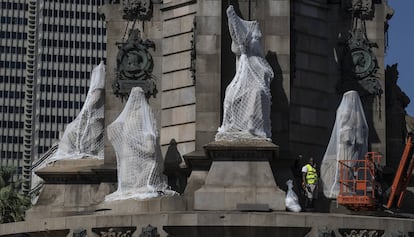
x=247, y=99
x=84, y=136
x=349, y=141
x=134, y=137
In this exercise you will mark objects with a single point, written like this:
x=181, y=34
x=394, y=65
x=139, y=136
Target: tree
x=13, y=204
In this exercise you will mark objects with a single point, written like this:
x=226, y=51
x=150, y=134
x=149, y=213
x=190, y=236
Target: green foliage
x=13, y=204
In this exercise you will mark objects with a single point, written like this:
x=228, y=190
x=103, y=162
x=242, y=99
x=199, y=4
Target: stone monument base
x=71, y=187
x=240, y=178
x=152, y=205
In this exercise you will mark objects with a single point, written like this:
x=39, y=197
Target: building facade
x=48, y=50
x=13, y=49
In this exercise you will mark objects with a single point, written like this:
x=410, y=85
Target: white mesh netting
x=84, y=136
x=247, y=99
x=134, y=137
x=349, y=141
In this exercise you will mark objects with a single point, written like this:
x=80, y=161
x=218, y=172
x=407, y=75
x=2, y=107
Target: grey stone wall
x=313, y=98
x=277, y=41
x=206, y=224
x=178, y=99
x=208, y=71
x=115, y=29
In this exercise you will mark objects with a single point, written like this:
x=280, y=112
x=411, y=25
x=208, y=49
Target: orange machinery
x=403, y=175
x=358, y=187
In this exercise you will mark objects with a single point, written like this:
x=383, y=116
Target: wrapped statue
x=134, y=137
x=349, y=141
x=84, y=136
x=247, y=99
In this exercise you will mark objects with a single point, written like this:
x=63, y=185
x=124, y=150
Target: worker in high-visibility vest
x=310, y=183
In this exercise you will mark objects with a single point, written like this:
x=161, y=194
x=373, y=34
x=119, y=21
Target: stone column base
x=240, y=178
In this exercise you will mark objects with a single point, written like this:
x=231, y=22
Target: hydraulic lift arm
x=403, y=175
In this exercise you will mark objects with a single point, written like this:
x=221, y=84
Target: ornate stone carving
x=149, y=231
x=114, y=231
x=326, y=233
x=137, y=9
x=363, y=59
x=361, y=233
x=396, y=102
x=134, y=66
x=397, y=233
x=80, y=233
x=365, y=7
x=359, y=63
x=358, y=5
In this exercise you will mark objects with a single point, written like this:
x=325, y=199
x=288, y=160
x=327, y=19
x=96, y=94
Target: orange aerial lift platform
x=358, y=188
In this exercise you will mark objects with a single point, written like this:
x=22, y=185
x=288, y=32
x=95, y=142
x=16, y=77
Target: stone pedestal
x=240, y=178
x=147, y=206
x=71, y=187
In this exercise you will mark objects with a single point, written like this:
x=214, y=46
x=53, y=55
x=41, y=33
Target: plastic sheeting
x=134, y=137
x=292, y=200
x=84, y=136
x=349, y=141
x=247, y=99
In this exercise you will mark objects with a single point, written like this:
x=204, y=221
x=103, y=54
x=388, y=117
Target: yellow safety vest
x=311, y=175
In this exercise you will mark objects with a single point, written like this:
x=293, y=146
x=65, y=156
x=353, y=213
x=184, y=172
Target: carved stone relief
x=149, y=231
x=114, y=231
x=326, y=233
x=137, y=9
x=80, y=233
x=358, y=62
x=361, y=233
x=134, y=66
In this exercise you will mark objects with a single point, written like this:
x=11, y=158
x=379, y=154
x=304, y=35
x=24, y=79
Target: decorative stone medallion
x=363, y=59
x=134, y=66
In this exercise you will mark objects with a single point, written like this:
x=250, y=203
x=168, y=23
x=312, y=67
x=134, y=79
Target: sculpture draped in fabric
x=84, y=136
x=349, y=141
x=247, y=100
x=134, y=137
